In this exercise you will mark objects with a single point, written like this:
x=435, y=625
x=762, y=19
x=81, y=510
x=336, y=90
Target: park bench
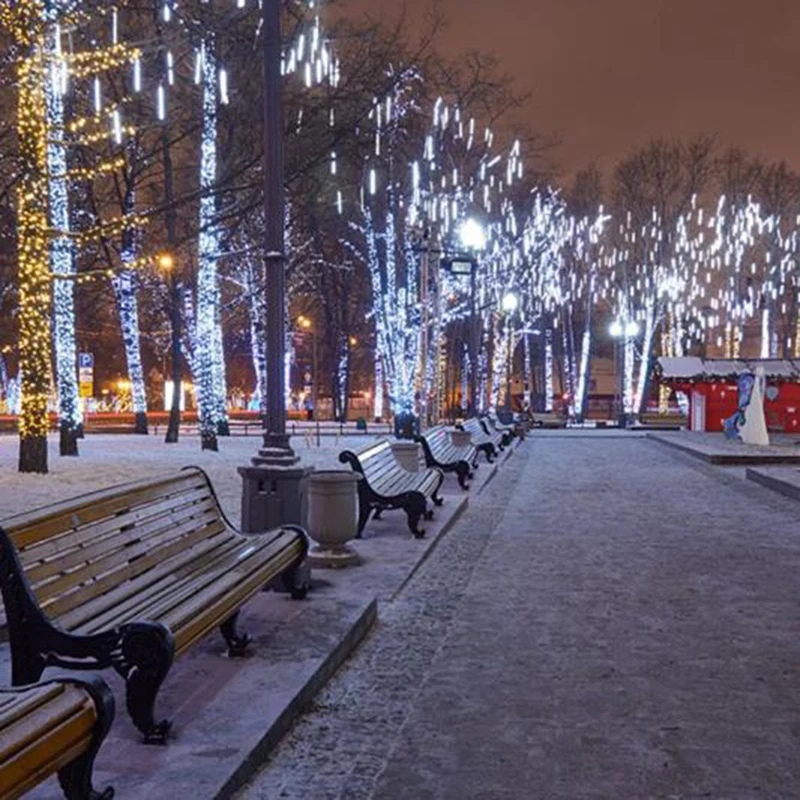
x=132, y=576
x=387, y=485
x=440, y=452
x=489, y=444
x=53, y=727
x=493, y=425
x=548, y=419
x=658, y=421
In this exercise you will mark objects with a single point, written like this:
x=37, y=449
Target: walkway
x=632, y=630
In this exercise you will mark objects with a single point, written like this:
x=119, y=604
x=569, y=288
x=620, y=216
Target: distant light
x=615, y=329
x=632, y=328
x=165, y=262
x=510, y=302
x=472, y=235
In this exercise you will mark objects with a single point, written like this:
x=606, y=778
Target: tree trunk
x=61, y=262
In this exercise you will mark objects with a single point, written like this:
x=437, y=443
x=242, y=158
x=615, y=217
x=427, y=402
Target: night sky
x=607, y=75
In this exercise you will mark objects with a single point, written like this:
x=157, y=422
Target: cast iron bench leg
x=76, y=777
x=415, y=509
x=296, y=580
x=237, y=642
x=147, y=650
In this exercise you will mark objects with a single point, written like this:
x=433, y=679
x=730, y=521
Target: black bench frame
x=414, y=502
x=462, y=467
x=486, y=447
x=493, y=426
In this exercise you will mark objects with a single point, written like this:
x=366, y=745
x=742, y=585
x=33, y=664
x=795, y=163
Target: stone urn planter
x=333, y=517
x=461, y=438
x=408, y=453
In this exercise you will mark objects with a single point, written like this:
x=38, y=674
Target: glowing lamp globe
x=510, y=303
x=472, y=235
x=632, y=328
x=615, y=329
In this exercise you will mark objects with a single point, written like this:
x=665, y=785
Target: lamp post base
x=276, y=452
x=274, y=495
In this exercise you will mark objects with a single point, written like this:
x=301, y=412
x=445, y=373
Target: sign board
x=86, y=374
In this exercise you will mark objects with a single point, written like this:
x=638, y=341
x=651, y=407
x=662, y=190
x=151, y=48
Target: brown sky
x=607, y=75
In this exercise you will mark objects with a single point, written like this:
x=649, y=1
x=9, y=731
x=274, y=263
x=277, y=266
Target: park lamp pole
x=510, y=305
x=277, y=449
x=275, y=485
x=165, y=262
x=473, y=238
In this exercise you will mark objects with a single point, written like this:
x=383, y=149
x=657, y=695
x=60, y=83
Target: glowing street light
x=616, y=329
x=165, y=262
x=472, y=234
x=510, y=303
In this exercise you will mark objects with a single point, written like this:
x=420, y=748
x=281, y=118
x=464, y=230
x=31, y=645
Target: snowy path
x=620, y=623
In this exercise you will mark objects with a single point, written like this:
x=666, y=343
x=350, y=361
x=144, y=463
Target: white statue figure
x=754, y=428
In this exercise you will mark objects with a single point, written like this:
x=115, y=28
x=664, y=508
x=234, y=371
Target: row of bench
x=387, y=485
x=131, y=577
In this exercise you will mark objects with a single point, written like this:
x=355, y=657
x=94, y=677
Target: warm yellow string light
x=24, y=21
x=34, y=266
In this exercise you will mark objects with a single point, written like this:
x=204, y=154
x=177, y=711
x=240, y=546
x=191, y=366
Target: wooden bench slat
x=165, y=585
x=43, y=717
x=154, y=545
x=60, y=546
x=38, y=525
x=83, y=553
x=47, y=747
x=108, y=592
x=232, y=565
x=190, y=626
x=14, y=705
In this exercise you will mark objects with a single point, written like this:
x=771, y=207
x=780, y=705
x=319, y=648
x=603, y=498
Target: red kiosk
x=710, y=384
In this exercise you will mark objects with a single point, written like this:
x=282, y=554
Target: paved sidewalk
x=631, y=632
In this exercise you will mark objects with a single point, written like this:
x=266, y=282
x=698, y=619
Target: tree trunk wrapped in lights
x=44, y=177
x=33, y=256
x=396, y=309
x=61, y=257
x=125, y=291
x=208, y=340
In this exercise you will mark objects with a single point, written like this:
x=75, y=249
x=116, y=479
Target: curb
x=258, y=755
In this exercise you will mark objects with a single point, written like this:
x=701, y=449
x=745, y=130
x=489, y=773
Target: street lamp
x=472, y=234
x=165, y=263
x=308, y=327
x=510, y=303
x=473, y=237
x=277, y=450
x=274, y=487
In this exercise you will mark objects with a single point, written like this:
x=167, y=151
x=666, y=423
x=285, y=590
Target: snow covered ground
x=107, y=459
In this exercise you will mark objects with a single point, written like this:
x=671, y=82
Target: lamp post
x=308, y=328
x=165, y=262
x=510, y=305
x=277, y=449
x=275, y=486
x=473, y=238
